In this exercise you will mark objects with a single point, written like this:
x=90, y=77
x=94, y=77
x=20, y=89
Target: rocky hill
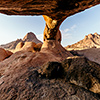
x=11, y=45
x=89, y=41
x=29, y=76
x=31, y=37
x=28, y=37
x=88, y=47
x=91, y=54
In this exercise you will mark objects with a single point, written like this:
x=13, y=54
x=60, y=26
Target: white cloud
x=40, y=37
x=66, y=33
x=66, y=30
x=73, y=27
x=66, y=36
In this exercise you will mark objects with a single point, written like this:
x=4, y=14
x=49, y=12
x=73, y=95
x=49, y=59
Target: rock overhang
x=54, y=11
x=57, y=9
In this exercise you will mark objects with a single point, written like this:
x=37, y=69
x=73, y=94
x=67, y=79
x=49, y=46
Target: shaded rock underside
x=52, y=8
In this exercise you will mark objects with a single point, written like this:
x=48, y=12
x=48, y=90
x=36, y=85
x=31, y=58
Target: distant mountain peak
x=91, y=36
x=29, y=37
x=89, y=41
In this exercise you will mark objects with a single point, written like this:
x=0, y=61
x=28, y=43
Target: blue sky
x=73, y=29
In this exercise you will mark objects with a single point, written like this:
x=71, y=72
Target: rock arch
x=53, y=11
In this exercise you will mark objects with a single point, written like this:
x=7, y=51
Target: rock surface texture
x=20, y=78
x=58, y=9
x=28, y=46
x=4, y=54
x=37, y=47
x=92, y=54
x=77, y=70
x=19, y=45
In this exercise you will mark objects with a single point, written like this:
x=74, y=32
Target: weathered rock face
x=92, y=54
x=51, y=28
x=9, y=53
x=54, y=47
x=77, y=70
x=4, y=54
x=19, y=46
x=82, y=72
x=52, y=8
x=21, y=72
x=28, y=46
x=52, y=70
x=37, y=47
x=52, y=38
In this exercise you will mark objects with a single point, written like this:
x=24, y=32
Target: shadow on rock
x=52, y=70
x=76, y=70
